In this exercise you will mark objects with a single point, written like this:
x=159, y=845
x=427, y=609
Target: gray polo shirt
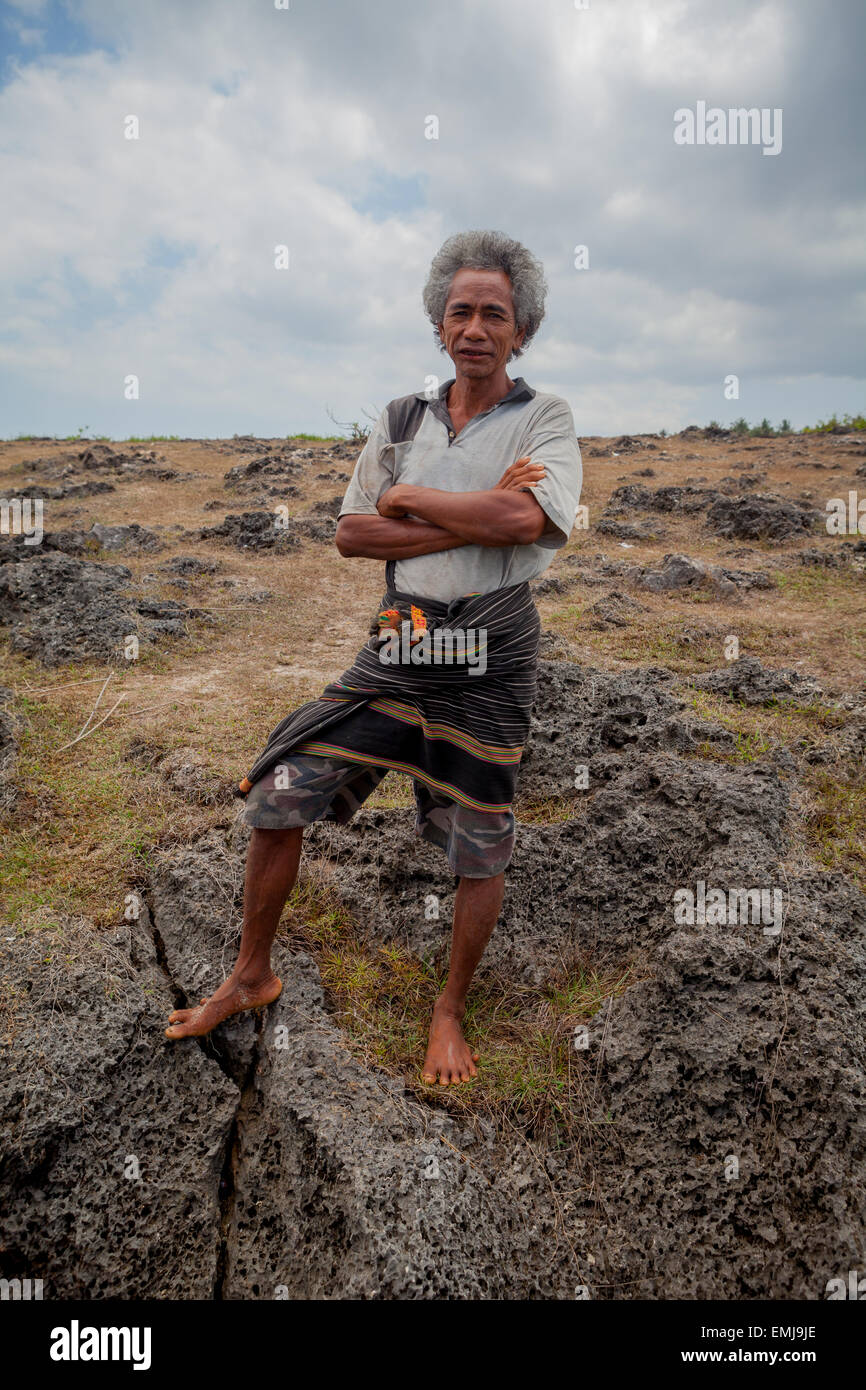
x=414, y=441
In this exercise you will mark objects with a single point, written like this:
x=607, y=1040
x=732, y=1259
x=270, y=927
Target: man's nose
x=475, y=328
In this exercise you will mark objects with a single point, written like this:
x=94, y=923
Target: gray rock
x=627, y=444
x=269, y=472
x=127, y=540
x=762, y=517
x=115, y=1139
x=252, y=531
x=554, y=584
x=141, y=463
x=187, y=773
x=90, y=488
x=682, y=572
x=720, y=1097
x=329, y=1193
x=674, y=498
x=614, y=610
x=626, y=531
x=751, y=683
x=190, y=566
x=63, y=609
x=314, y=528
x=329, y=507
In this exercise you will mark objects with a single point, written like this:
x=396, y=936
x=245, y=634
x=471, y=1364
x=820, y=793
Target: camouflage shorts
x=307, y=787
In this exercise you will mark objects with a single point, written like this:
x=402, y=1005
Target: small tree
x=357, y=432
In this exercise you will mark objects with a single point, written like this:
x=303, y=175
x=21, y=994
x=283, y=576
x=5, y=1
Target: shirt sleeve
x=374, y=472
x=551, y=440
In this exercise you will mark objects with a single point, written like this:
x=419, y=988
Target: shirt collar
x=438, y=406
x=520, y=391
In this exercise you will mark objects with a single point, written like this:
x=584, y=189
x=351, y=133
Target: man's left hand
x=389, y=503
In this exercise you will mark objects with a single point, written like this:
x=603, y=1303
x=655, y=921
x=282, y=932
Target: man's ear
x=440, y=329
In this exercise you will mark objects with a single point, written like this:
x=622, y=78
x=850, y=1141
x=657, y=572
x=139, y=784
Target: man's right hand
x=522, y=474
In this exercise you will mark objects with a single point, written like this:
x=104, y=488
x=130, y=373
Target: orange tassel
x=419, y=623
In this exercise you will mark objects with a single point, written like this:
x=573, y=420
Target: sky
x=152, y=261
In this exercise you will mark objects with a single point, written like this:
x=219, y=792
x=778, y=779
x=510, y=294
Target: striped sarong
x=460, y=732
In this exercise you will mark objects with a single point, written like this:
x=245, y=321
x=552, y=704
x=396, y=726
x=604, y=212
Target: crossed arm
x=420, y=520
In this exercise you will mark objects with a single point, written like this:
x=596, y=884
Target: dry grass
x=532, y=1077
x=831, y=825
x=835, y=820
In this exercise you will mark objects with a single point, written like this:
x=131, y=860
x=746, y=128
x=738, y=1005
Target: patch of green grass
x=316, y=438
x=677, y=647
x=746, y=748
x=758, y=728
x=820, y=584
x=393, y=793
x=531, y=1074
x=836, y=822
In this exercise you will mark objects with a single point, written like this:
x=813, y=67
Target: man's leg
x=294, y=793
x=272, y=867
x=479, y=846
x=476, y=910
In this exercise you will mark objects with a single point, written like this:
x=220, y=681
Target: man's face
x=479, y=330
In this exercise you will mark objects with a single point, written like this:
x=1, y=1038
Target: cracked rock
x=113, y=1137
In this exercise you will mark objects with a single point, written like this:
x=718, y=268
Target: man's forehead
x=472, y=285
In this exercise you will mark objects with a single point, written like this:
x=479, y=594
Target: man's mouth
x=473, y=352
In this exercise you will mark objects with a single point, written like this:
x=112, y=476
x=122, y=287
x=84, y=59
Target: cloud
x=306, y=127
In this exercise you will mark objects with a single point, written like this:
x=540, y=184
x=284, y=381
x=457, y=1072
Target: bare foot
x=449, y=1055
x=232, y=997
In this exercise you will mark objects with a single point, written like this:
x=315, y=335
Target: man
x=466, y=496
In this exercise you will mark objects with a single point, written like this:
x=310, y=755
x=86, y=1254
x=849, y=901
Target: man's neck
x=470, y=395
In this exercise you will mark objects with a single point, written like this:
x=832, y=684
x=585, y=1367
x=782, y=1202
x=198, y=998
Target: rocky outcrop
x=128, y=540
x=717, y=1099
x=114, y=1142
x=258, y=530
x=747, y=680
x=759, y=518
x=272, y=474
x=751, y=517
x=61, y=609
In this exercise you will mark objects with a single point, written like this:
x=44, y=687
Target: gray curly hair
x=478, y=250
